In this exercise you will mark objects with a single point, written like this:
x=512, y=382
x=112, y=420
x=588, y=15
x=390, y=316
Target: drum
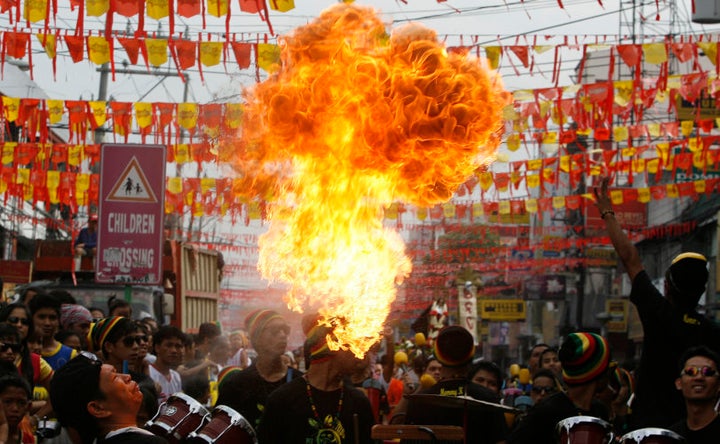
x=226, y=427
x=651, y=435
x=584, y=430
x=177, y=418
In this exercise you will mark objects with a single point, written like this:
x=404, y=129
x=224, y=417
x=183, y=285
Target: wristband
x=605, y=213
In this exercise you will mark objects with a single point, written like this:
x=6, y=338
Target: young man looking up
x=98, y=404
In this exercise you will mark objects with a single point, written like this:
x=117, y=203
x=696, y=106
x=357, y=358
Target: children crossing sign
x=132, y=185
x=130, y=229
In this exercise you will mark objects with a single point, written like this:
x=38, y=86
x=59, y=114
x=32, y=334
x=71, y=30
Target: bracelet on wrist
x=604, y=213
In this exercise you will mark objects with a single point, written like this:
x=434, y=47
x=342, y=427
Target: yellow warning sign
x=502, y=309
x=132, y=186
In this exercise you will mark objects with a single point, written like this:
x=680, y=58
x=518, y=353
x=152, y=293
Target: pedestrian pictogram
x=132, y=185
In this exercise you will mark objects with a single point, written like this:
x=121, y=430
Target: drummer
x=97, y=403
x=585, y=359
x=454, y=349
x=699, y=383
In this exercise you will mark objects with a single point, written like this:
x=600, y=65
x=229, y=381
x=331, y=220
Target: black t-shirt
x=246, y=392
x=710, y=434
x=481, y=426
x=540, y=423
x=668, y=332
x=290, y=419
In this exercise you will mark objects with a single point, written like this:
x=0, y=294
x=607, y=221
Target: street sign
x=618, y=311
x=130, y=229
x=702, y=108
x=502, y=309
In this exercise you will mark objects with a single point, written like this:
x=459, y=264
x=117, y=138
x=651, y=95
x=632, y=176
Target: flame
x=354, y=120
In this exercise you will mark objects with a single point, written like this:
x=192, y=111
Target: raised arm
x=625, y=249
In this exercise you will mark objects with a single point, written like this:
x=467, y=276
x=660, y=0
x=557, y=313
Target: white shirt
x=168, y=385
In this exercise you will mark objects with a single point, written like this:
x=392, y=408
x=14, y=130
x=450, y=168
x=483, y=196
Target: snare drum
x=651, y=435
x=177, y=417
x=584, y=430
x=226, y=427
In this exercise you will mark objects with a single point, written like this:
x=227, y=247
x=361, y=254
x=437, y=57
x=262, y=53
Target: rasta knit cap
x=317, y=345
x=256, y=322
x=226, y=372
x=454, y=346
x=584, y=357
x=100, y=331
x=316, y=333
x=688, y=275
x=73, y=314
x=618, y=376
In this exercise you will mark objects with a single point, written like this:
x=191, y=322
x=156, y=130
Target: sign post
x=130, y=229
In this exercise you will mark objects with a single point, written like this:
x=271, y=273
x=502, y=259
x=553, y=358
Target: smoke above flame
x=354, y=120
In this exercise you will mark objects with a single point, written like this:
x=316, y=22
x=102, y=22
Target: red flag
x=132, y=48
x=242, y=52
x=76, y=47
x=188, y=8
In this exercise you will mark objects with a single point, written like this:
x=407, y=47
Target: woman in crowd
x=18, y=315
x=31, y=365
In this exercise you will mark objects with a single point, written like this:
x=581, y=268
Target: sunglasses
x=704, y=371
x=5, y=346
x=128, y=341
x=15, y=320
x=539, y=389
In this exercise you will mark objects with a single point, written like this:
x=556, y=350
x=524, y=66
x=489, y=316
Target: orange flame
x=352, y=121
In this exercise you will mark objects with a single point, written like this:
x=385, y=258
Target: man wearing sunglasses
x=671, y=324
x=96, y=402
x=248, y=390
x=699, y=384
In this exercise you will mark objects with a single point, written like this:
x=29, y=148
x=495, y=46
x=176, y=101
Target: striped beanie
x=620, y=376
x=99, y=332
x=226, y=372
x=316, y=332
x=584, y=357
x=256, y=321
x=316, y=343
x=454, y=346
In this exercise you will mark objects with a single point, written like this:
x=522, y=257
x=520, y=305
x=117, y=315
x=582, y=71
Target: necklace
x=330, y=426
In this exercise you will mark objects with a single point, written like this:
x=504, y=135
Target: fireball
x=353, y=120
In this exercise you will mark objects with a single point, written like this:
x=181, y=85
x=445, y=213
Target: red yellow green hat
x=584, y=357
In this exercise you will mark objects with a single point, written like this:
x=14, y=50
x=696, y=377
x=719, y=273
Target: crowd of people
x=70, y=373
